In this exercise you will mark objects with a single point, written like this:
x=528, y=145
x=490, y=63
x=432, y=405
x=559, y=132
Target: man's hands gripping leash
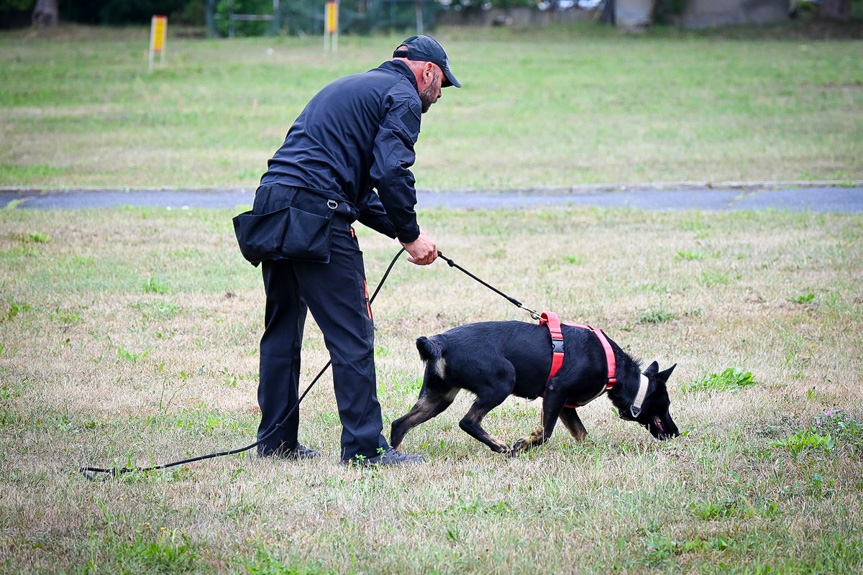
x=422, y=251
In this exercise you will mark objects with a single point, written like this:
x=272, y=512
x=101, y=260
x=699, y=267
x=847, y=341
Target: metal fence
x=306, y=17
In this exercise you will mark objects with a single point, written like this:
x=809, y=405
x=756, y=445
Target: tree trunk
x=607, y=15
x=45, y=14
x=835, y=10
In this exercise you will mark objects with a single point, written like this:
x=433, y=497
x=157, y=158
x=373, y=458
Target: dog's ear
x=662, y=376
x=651, y=369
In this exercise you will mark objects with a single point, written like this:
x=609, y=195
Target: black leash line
x=512, y=300
x=90, y=472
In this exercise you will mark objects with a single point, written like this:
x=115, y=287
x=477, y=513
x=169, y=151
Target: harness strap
x=609, y=356
x=550, y=320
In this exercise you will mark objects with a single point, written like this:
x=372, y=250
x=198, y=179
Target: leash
x=91, y=472
x=533, y=313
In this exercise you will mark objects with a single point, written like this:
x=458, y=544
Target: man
x=355, y=136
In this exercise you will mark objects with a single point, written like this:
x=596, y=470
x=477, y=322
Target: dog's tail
x=429, y=349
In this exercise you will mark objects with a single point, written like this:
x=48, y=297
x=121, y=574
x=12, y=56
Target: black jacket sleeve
x=393, y=156
x=373, y=215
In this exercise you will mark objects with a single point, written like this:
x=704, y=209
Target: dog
x=494, y=360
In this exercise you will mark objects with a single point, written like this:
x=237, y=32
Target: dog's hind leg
x=572, y=422
x=430, y=404
x=471, y=422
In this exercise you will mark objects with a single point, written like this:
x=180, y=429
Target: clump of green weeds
x=170, y=552
x=695, y=255
x=732, y=379
x=823, y=434
x=805, y=298
x=713, y=510
x=17, y=308
x=806, y=439
x=655, y=315
x=838, y=422
x=267, y=563
x=37, y=238
x=154, y=285
x=132, y=357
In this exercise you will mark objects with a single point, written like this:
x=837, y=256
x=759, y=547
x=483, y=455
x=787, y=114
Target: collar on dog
x=639, y=398
x=550, y=320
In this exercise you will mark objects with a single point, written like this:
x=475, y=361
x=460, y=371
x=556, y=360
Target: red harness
x=550, y=320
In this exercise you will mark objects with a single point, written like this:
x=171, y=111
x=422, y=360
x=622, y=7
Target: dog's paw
x=526, y=443
x=520, y=446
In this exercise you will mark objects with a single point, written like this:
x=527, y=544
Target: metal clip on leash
x=533, y=313
x=90, y=472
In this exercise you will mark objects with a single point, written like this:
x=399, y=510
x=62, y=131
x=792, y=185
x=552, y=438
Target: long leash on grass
x=91, y=473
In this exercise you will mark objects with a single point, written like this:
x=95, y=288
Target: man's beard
x=427, y=95
x=427, y=98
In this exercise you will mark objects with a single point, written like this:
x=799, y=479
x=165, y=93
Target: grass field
x=129, y=336
x=554, y=107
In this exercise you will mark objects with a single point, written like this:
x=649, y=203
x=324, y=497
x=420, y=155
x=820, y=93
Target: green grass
x=95, y=369
x=557, y=107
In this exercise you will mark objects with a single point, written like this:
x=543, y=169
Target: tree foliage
x=121, y=11
x=16, y=5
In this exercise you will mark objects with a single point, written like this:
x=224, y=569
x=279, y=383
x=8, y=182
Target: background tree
x=835, y=10
x=45, y=14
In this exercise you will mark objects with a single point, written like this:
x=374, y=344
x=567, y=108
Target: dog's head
x=654, y=414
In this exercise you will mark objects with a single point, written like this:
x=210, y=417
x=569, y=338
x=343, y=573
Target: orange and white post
x=158, y=36
x=331, y=26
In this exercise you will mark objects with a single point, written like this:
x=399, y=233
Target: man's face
x=431, y=93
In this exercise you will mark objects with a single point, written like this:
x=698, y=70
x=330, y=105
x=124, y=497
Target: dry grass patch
x=130, y=336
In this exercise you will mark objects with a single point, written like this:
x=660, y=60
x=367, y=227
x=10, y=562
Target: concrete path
x=695, y=196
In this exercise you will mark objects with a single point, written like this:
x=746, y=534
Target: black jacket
x=357, y=135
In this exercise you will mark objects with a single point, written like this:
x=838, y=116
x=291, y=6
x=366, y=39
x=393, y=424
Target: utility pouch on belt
x=286, y=234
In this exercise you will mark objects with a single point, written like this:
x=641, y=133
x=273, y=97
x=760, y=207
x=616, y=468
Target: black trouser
x=337, y=295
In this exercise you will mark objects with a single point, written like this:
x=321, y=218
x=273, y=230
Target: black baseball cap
x=427, y=49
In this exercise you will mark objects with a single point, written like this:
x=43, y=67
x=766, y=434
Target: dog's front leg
x=572, y=422
x=535, y=439
x=551, y=407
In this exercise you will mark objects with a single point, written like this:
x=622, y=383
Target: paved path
x=791, y=197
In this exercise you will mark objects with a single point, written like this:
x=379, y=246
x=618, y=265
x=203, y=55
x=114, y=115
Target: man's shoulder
x=380, y=80
x=387, y=86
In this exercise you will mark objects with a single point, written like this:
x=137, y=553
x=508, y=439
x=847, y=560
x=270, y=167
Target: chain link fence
x=306, y=17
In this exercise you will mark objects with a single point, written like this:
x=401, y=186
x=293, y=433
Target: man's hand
x=422, y=250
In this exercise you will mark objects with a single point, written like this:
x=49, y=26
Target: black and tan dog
x=497, y=359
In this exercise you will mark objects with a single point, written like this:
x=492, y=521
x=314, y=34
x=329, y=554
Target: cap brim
x=451, y=80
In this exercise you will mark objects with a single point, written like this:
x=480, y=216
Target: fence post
x=158, y=36
x=331, y=26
